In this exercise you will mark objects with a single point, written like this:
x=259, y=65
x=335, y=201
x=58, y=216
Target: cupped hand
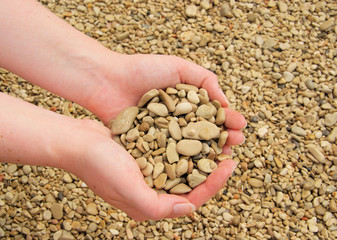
x=124, y=84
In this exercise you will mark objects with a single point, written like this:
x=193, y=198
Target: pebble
x=256, y=183
x=91, y=208
x=269, y=43
x=330, y=119
x=298, y=131
x=57, y=210
x=316, y=152
x=182, y=108
x=147, y=97
x=225, y=11
x=174, y=130
x=124, y=120
x=159, y=182
x=191, y=11
x=206, y=165
x=158, y=108
x=283, y=7
x=182, y=167
x=11, y=168
x=193, y=130
x=167, y=100
x=327, y=24
x=67, y=178
x=172, y=153
x=195, y=179
x=26, y=169
x=310, y=84
x=220, y=116
x=47, y=215
x=189, y=147
x=180, y=189
x=251, y=17
x=288, y=76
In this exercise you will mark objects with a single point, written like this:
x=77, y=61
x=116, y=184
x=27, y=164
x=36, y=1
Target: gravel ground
x=276, y=62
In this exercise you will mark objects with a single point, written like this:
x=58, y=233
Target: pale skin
x=45, y=50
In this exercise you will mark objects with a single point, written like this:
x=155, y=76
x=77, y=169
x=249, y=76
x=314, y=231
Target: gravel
x=277, y=63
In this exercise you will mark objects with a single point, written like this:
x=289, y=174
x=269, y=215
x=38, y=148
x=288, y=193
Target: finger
x=235, y=137
x=227, y=150
x=194, y=74
x=213, y=184
x=234, y=120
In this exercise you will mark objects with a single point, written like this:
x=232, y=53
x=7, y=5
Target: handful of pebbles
x=176, y=137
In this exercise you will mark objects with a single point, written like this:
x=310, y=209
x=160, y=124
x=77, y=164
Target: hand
x=136, y=74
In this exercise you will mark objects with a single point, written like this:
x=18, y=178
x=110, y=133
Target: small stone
x=205, y=4
x=310, y=84
x=172, y=153
x=109, y=17
x=122, y=36
x=174, y=130
x=158, y=169
x=11, y=168
x=189, y=147
x=205, y=111
x=327, y=24
x=206, y=165
x=191, y=11
x=167, y=100
x=124, y=120
x=269, y=43
x=312, y=224
x=26, y=169
x=225, y=11
x=330, y=119
x=91, y=209
x=333, y=206
x=195, y=179
x=180, y=189
x=251, y=17
x=236, y=220
x=192, y=130
x=320, y=210
x=182, y=167
x=309, y=184
x=57, y=211
x=170, y=169
x=66, y=236
x=298, y=131
x=283, y=7
x=147, y=97
x=279, y=197
x=332, y=136
x=147, y=171
x=220, y=116
x=262, y=131
x=256, y=183
x=67, y=178
x=132, y=135
x=223, y=139
x=186, y=87
x=47, y=215
x=219, y=27
x=192, y=96
x=159, y=182
x=288, y=76
x=158, y=108
x=182, y=108
x=227, y=216
x=291, y=67
x=142, y=162
x=315, y=151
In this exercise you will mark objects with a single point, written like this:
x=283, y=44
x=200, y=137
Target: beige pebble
x=180, y=189
x=160, y=181
x=170, y=90
x=256, y=183
x=161, y=140
x=174, y=130
x=315, y=151
x=220, y=116
x=182, y=108
x=132, y=135
x=167, y=100
x=158, y=152
x=142, y=162
x=148, y=169
x=67, y=178
x=182, y=167
x=92, y=209
x=57, y=210
x=149, y=181
x=195, y=178
x=158, y=169
x=215, y=147
x=204, y=111
x=170, y=170
x=172, y=153
x=192, y=96
x=11, y=168
x=158, y=108
x=147, y=97
x=124, y=120
x=222, y=139
x=144, y=127
x=206, y=165
x=170, y=183
x=186, y=87
x=188, y=147
x=192, y=130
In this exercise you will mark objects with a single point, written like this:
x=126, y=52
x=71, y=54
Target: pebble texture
x=175, y=145
x=260, y=40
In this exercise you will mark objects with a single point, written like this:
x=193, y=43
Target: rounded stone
x=188, y=147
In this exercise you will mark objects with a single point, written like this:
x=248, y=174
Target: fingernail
x=183, y=209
